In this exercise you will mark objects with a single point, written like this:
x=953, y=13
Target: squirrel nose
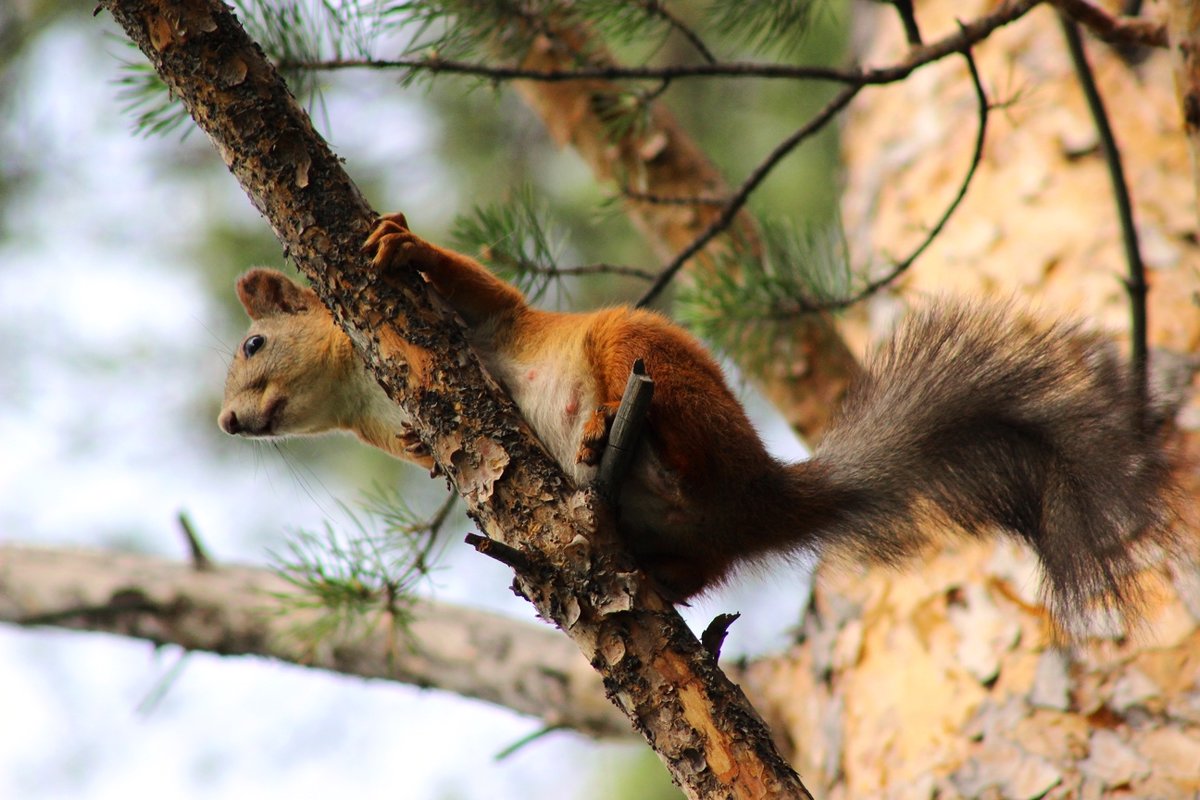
x=229, y=423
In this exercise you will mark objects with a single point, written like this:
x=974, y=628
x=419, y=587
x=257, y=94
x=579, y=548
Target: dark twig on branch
x=714, y=635
x=626, y=431
x=1135, y=283
x=200, y=559
x=1128, y=30
x=500, y=551
x=904, y=9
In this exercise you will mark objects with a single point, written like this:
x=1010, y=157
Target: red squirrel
x=977, y=418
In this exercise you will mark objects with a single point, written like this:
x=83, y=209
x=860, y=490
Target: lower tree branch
x=251, y=611
x=237, y=610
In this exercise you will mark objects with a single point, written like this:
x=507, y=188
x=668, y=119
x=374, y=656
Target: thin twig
x=660, y=200
x=498, y=550
x=739, y=197
x=798, y=307
x=904, y=8
x=431, y=528
x=968, y=35
x=1115, y=30
x=681, y=27
x=1135, y=283
x=902, y=266
x=976, y=157
x=590, y=269
x=200, y=559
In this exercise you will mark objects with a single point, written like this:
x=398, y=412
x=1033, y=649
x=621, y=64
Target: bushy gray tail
x=987, y=418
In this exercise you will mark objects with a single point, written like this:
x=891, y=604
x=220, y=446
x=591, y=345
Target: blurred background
x=118, y=251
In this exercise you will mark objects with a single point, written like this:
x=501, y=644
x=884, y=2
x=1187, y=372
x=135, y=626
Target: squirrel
x=979, y=418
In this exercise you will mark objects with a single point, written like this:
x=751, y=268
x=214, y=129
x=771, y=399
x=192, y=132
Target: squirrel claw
x=391, y=241
x=417, y=451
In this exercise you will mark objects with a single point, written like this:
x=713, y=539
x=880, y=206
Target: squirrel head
x=291, y=373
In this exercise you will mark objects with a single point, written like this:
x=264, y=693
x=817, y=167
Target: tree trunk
x=945, y=681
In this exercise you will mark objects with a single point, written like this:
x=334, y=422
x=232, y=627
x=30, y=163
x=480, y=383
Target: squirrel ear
x=265, y=292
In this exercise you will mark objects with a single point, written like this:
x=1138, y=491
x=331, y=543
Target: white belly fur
x=556, y=403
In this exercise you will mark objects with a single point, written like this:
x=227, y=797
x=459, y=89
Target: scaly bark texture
x=570, y=566
x=659, y=159
x=944, y=682
x=251, y=611
x=1183, y=34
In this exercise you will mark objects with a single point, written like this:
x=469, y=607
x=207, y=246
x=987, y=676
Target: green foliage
x=779, y=25
x=743, y=305
x=144, y=96
x=454, y=29
x=370, y=569
x=625, y=22
x=631, y=774
x=514, y=239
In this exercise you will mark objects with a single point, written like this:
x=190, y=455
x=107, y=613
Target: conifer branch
x=965, y=38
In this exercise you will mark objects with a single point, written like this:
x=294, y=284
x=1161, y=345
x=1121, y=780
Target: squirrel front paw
x=392, y=244
x=417, y=451
x=595, y=435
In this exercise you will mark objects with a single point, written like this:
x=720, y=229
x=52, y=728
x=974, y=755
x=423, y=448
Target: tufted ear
x=265, y=292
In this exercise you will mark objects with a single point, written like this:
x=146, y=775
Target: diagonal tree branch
x=702, y=726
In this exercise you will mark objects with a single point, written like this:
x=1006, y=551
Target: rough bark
x=251, y=611
x=944, y=681
x=570, y=567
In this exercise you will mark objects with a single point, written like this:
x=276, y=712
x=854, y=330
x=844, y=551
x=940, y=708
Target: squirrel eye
x=253, y=344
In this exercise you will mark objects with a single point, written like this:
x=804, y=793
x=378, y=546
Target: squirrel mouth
x=266, y=424
x=270, y=418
